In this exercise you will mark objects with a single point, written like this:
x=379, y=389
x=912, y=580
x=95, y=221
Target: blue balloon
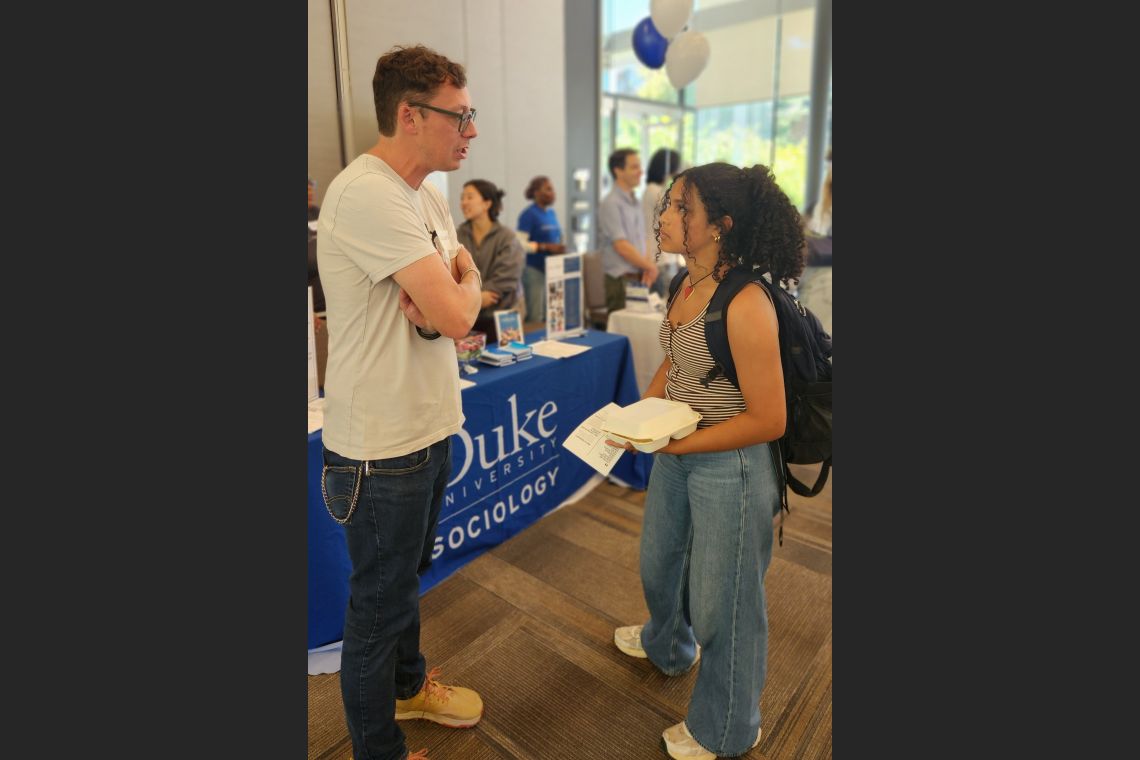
x=648, y=44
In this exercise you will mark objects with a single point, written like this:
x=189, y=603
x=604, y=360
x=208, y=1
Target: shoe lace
x=418, y=755
x=434, y=688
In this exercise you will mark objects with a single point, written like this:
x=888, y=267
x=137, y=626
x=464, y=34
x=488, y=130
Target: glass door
x=642, y=125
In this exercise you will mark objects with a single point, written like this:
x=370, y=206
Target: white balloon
x=686, y=57
x=670, y=16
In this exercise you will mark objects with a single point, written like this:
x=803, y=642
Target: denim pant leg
x=666, y=541
x=534, y=287
x=410, y=664
x=388, y=537
x=733, y=496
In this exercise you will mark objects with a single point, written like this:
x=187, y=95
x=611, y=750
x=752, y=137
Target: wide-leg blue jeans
x=390, y=537
x=705, y=546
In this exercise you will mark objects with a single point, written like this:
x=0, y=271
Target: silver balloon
x=670, y=16
x=686, y=57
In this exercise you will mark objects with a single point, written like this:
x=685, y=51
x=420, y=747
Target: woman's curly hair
x=766, y=230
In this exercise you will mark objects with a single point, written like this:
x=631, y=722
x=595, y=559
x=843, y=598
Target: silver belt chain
x=355, y=493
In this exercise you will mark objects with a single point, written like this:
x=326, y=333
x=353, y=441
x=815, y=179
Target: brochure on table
x=564, y=297
x=314, y=382
x=508, y=326
x=556, y=349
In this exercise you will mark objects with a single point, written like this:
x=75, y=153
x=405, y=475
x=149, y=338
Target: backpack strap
x=716, y=322
x=802, y=489
x=780, y=467
x=674, y=285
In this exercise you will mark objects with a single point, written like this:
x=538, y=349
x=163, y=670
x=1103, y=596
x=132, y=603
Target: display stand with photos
x=564, y=297
x=508, y=326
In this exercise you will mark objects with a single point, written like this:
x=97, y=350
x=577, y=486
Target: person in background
x=495, y=248
x=663, y=167
x=314, y=273
x=706, y=541
x=395, y=281
x=814, y=286
x=314, y=209
x=544, y=237
x=621, y=230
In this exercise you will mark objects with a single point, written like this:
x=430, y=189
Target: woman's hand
x=630, y=448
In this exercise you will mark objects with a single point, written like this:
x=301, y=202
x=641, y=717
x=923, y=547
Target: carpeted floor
x=530, y=626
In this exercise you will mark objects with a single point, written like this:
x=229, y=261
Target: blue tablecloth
x=508, y=465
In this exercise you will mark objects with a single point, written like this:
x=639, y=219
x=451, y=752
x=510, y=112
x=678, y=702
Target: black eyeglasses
x=465, y=117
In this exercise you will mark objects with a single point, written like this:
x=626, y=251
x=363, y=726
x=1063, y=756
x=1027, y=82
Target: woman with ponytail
x=707, y=536
x=544, y=238
x=496, y=250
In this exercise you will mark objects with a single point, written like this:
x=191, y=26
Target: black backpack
x=805, y=355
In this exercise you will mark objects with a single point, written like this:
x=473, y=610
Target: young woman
x=707, y=536
x=495, y=248
x=540, y=223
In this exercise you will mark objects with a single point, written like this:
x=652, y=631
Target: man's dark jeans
x=390, y=537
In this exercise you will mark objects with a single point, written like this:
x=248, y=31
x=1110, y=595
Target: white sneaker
x=628, y=640
x=680, y=744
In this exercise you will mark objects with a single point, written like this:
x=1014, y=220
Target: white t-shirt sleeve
x=438, y=215
x=386, y=235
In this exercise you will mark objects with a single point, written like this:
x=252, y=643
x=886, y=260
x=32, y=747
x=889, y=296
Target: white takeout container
x=651, y=422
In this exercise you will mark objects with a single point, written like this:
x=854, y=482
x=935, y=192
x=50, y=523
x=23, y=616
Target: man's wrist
x=427, y=335
x=468, y=270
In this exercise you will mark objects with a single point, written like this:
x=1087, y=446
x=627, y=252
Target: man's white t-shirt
x=388, y=391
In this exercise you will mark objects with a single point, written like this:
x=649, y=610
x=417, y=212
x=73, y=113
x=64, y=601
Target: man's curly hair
x=410, y=73
x=766, y=230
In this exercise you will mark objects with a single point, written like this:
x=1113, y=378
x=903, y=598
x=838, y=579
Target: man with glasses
x=395, y=280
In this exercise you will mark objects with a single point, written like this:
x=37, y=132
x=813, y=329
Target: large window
x=751, y=104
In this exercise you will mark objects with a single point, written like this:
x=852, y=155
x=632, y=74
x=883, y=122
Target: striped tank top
x=690, y=363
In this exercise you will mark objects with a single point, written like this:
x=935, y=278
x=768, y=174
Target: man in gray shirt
x=621, y=230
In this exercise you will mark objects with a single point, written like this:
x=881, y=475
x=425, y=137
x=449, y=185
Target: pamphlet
x=637, y=296
x=556, y=349
x=564, y=296
x=521, y=351
x=508, y=326
x=496, y=357
x=588, y=441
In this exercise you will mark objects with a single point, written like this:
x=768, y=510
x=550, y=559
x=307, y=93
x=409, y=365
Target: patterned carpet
x=530, y=626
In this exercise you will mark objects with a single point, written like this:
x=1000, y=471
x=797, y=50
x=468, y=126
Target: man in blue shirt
x=621, y=230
